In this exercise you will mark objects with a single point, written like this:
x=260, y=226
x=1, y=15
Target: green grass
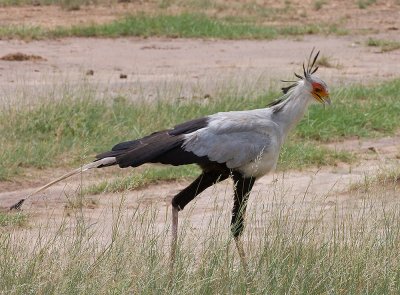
x=385, y=45
x=363, y=4
x=318, y=4
x=22, y=32
x=143, y=178
x=291, y=250
x=69, y=131
x=297, y=154
x=357, y=111
x=185, y=25
x=13, y=220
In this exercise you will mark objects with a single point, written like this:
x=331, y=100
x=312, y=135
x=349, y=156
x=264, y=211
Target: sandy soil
x=165, y=68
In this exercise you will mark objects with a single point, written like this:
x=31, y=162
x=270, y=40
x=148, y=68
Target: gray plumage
x=233, y=138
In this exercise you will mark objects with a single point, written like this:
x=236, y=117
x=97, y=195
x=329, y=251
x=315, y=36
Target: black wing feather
x=152, y=147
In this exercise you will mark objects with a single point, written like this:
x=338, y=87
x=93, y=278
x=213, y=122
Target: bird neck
x=290, y=111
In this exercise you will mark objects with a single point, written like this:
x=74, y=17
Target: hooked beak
x=327, y=100
x=324, y=99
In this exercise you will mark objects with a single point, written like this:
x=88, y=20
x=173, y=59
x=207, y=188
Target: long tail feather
x=100, y=163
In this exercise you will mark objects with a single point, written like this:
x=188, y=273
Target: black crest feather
x=307, y=71
x=286, y=89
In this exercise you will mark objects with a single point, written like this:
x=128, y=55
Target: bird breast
x=263, y=164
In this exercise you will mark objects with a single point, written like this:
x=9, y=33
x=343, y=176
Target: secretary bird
x=243, y=145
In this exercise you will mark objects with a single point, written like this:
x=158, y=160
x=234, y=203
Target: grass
x=326, y=61
x=385, y=45
x=388, y=177
x=73, y=128
x=80, y=203
x=363, y=4
x=143, y=178
x=13, y=220
x=357, y=111
x=297, y=154
x=292, y=249
x=69, y=131
x=185, y=25
x=318, y=4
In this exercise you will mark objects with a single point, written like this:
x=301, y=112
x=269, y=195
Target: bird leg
x=242, y=188
x=174, y=239
x=205, y=180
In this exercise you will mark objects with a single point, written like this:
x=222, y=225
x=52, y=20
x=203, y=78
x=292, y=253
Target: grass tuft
x=318, y=4
x=363, y=4
x=13, y=219
x=143, y=178
x=385, y=45
x=387, y=178
x=297, y=154
x=326, y=61
x=80, y=203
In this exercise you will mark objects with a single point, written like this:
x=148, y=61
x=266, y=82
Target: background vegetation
x=72, y=129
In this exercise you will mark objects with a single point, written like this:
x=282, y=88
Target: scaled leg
x=204, y=181
x=242, y=189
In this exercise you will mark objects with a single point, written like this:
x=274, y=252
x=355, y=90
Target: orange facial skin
x=320, y=92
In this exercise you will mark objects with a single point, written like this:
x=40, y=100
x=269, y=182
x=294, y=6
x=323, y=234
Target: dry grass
x=386, y=178
x=327, y=62
x=294, y=247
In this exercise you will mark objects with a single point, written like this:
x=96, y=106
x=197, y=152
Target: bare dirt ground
x=198, y=67
x=162, y=68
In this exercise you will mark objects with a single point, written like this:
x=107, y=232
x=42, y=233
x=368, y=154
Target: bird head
x=316, y=86
x=318, y=89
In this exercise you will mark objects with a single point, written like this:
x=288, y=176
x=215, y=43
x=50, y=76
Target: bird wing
x=147, y=149
x=235, y=139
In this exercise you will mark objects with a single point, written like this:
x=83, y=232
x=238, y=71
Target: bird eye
x=318, y=89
